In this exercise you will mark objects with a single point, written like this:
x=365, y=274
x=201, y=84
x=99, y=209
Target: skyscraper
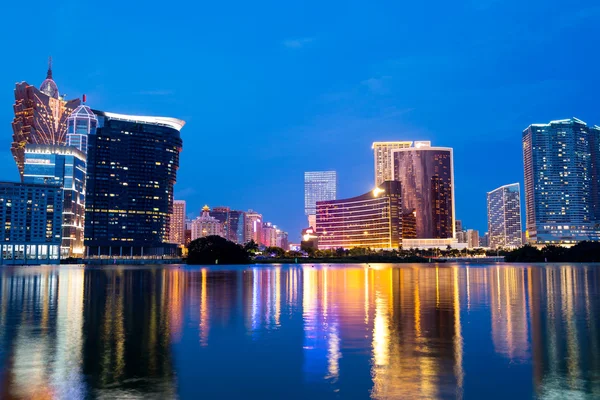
x=373, y=220
x=318, y=186
x=81, y=123
x=382, y=155
x=233, y=221
x=427, y=177
x=253, y=227
x=472, y=238
x=63, y=166
x=40, y=117
x=177, y=230
x=132, y=167
x=504, y=216
x=206, y=225
x=269, y=235
x=562, y=183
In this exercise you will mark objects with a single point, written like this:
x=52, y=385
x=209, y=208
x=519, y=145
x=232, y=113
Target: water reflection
x=296, y=332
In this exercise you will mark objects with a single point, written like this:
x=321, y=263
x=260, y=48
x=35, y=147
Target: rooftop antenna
x=84, y=98
x=49, y=68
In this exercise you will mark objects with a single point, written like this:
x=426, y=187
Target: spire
x=49, y=76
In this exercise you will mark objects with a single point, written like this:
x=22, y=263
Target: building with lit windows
x=253, y=227
x=269, y=235
x=372, y=220
x=318, y=186
x=427, y=178
x=206, y=225
x=31, y=223
x=177, y=230
x=234, y=223
x=472, y=238
x=40, y=117
x=561, y=162
x=81, y=123
x=62, y=166
x=282, y=239
x=382, y=155
x=132, y=167
x=504, y=216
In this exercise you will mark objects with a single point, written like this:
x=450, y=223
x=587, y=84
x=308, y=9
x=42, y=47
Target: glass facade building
x=382, y=155
x=371, y=220
x=30, y=223
x=132, y=167
x=427, y=177
x=63, y=166
x=561, y=182
x=81, y=123
x=40, y=117
x=504, y=216
x=318, y=186
x=234, y=223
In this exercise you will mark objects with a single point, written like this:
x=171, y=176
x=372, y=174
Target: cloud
x=297, y=43
x=377, y=85
x=157, y=92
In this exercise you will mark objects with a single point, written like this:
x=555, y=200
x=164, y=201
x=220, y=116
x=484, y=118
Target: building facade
x=562, y=183
x=282, y=240
x=206, y=225
x=132, y=167
x=318, y=186
x=81, y=123
x=62, y=166
x=269, y=235
x=40, y=117
x=504, y=216
x=382, y=155
x=31, y=220
x=177, y=230
x=234, y=223
x=253, y=227
x=372, y=220
x=472, y=238
x=427, y=177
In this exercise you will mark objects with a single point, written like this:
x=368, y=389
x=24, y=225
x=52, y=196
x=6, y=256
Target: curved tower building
x=40, y=116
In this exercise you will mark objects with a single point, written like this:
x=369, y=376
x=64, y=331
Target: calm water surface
x=285, y=332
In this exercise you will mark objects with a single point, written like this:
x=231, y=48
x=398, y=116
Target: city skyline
x=392, y=91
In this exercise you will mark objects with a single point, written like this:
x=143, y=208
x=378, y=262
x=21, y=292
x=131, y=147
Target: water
x=407, y=331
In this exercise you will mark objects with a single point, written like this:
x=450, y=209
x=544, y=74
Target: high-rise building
x=177, y=230
x=233, y=223
x=269, y=235
x=382, y=155
x=206, y=225
x=253, y=227
x=472, y=238
x=562, y=183
x=40, y=117
x=282, y=239
x=62, y=166
x=81, y=123
x=373, y=220
x=504, y=216
x=484, y=241
x=31, y=220
x=427, y=178
x=132, y=167
x=318, y=186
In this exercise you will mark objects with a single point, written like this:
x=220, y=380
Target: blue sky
x=271, y=89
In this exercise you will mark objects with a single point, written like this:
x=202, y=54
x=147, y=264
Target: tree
x=526, y=253
x=585, y=252
x=210, y=249
x=553, y=253
x=274, y=251
x=251, y=247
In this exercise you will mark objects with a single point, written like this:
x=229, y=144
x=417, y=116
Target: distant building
x=384, y=164
x=282, y=239
x=484, y=241
x=269, y=235
x=427, y=178
x=132, y=168
x=310, y=239
x=461, y=236
x=562, y=182
x=206, y=225
x=31, y=216
x=472, y=238
x=65, y=167
x=188, y=231
x=253, y=227
x=318, y=186
x=504, y=216
x=40, y=117
x=373, y=220
x=234, y=223
x=177, y=230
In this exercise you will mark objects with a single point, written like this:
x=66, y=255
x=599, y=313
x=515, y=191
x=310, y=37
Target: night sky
x=272, y=89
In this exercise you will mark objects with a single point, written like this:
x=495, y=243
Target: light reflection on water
x=409, y=331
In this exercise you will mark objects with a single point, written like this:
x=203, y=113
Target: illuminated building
x=177, y=230
x=318, y=186
x=472, y=238
x=132, y=167
x=31, y=217
x=233, y=223
x=373, y=220
x=64, y=166
x=382, y=155
x=40, y=117
x=282, y=239
x=427, y=177
x=409, y=225
x=504, y=216
x=310, y=240
x=484, y=241
x=269, y=235
x=206, y=225
x=562, y=182
x=81, y=123
x=253, y=227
